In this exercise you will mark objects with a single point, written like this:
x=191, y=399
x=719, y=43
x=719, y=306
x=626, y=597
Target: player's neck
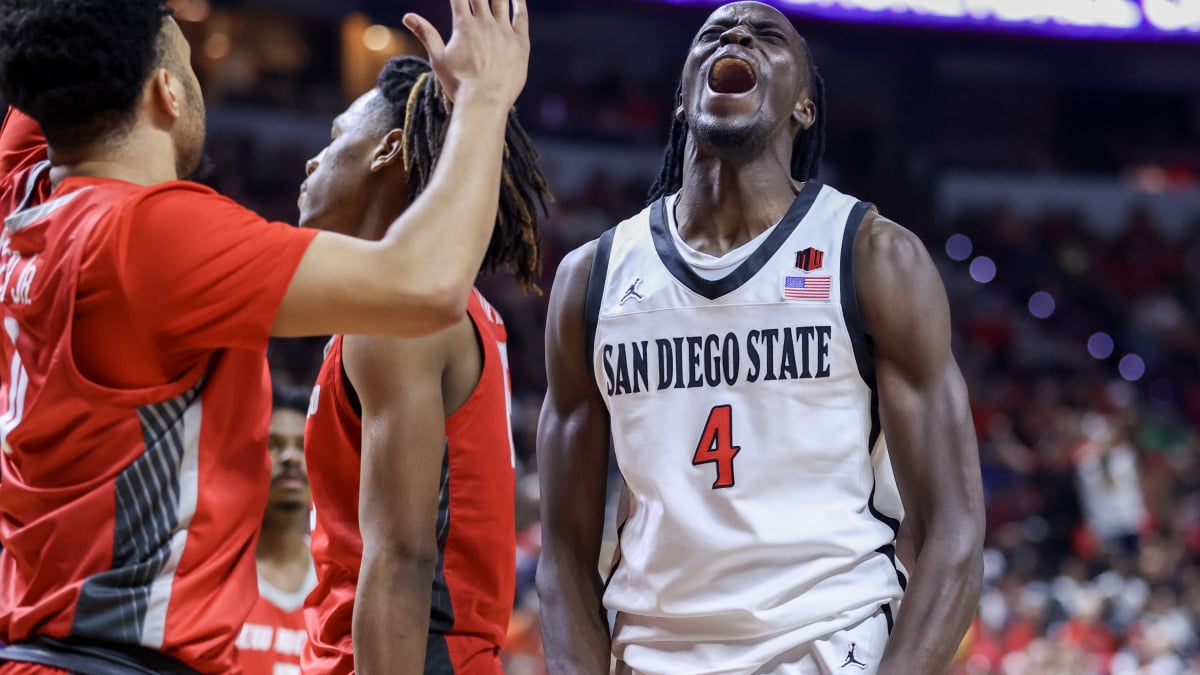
x=282, y=553
x=725, y=204
x=382, y=210
x=144, y=157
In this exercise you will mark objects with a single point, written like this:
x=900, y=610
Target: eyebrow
x=766, y=24
x=756, y=24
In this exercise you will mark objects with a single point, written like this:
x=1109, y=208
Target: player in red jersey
x=412, y=465
x=273, y=637
x=135, y=403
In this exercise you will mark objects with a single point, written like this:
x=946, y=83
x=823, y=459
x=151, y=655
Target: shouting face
x=746, y=81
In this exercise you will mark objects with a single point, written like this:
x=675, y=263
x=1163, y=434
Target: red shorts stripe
x=13, y=668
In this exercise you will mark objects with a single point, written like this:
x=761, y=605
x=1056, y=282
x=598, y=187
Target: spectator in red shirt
x=273, y=637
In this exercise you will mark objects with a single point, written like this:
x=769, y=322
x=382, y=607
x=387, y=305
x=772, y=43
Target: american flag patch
x=807, y=288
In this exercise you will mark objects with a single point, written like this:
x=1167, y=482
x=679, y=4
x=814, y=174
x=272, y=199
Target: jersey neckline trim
x=683, y=272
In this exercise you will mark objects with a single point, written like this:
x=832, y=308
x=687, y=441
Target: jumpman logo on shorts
x=632, y=292
x=851, y=661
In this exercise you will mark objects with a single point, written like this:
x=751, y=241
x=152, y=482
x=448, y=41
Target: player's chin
x=290, y=504
x=290, y=497
x=309, y=217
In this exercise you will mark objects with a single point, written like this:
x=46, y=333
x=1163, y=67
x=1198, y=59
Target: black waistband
x=87, y=657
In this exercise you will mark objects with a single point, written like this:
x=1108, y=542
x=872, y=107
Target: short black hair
x=78, y=67
x=807, y=149
x=290, y=398
x=417, y=104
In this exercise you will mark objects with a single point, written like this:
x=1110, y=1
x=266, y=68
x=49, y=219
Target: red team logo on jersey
x=810, y=259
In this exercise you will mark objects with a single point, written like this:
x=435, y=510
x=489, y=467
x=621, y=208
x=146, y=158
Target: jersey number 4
x=716, y=445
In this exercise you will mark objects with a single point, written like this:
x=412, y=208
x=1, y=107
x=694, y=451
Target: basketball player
x=748, y=342
x=273, y=637
x=413, y=466
x=136, y=311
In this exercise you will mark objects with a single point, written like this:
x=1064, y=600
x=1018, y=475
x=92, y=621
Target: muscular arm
x=926, y=419
x=399, y=383
x=572, y=451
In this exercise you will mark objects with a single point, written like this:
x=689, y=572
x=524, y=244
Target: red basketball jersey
x=474, y=582
x=134, y=406
x=273, y=637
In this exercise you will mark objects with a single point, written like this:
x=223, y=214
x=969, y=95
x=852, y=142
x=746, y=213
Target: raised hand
x=487, y=57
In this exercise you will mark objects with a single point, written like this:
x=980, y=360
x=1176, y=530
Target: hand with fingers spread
x=488, y=53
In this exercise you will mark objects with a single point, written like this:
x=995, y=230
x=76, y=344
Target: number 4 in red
x=716, y=445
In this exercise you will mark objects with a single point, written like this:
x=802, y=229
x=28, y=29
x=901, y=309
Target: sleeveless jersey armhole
x=595, y=295
x=864, y=350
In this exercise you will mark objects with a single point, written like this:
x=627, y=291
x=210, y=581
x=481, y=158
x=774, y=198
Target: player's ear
x=160, y=94
x=389, y=151
x=804, y=115
x=680, y=114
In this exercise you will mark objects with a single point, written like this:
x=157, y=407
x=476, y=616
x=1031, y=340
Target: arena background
x=1046, y=152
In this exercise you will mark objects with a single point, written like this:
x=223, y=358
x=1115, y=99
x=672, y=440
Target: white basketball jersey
x=762, y=506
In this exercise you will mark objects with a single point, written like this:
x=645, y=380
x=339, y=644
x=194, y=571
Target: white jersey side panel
x=762, y=503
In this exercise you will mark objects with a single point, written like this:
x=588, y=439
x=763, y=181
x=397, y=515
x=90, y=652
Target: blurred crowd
x=1081, y=356
x=1080, y=353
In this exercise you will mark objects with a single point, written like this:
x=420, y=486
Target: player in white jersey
x=747, y=343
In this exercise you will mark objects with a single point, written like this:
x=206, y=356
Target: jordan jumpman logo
x=851, y=661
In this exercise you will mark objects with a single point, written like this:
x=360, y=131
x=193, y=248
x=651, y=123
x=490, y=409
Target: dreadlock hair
x=807, y=148
x=419, y=106
x=77, y=67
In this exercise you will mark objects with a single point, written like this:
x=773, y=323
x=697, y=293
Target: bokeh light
x=1100, y=345
x=959, y=247
x=1132, y=367
x=1041, y=305
x=983, y=269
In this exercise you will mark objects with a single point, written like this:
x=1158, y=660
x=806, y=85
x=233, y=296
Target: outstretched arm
x=927, y=422
x=418, y=278
x=572, y=451
x=399, y=383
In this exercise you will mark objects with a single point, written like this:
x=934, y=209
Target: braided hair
x=418, y=105
x=807, y=148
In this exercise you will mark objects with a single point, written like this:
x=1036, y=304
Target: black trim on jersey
x=595, y=296
x=683, y=272
x=92, y=657
x=864, y=346
x=886, y=520
x=351, y=394
x=887, y=614
x=623, y=515
x=441, y=611
x=437, y=656
x=894, y=524
x=616, y=561
x=890, y=551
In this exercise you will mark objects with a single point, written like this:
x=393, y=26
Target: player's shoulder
x=884, y=244
x=183, y=200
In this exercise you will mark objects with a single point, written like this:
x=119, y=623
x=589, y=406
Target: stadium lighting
x=959, y=247
x=1100, y=346
x=1132, y=367
x=1041, y=305
x=983, y=269
x=377, y=38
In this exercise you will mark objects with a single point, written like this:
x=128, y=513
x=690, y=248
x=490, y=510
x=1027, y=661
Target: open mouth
x=731, y=75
